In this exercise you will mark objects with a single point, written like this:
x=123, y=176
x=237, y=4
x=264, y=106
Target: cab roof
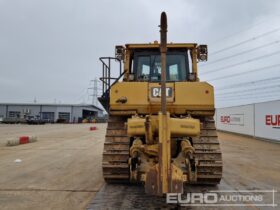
x=157, y=45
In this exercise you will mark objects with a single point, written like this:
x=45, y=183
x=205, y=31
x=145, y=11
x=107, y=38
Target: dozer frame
x=160, y=133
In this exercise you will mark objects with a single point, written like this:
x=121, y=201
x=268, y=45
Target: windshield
x=148, y=67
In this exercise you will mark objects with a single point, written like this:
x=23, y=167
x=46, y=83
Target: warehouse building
x=71, y=113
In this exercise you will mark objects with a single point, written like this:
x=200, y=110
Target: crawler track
x=116, y=151
x=208, y=154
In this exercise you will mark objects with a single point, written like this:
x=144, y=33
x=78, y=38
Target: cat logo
x=156, y=92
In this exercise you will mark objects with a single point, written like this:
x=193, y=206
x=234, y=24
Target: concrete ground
x=63, y=169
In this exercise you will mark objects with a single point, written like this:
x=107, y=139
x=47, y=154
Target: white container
x=239, y=119
x=267, y=120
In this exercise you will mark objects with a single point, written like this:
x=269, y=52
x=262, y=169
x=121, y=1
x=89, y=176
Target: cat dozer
x=160, y=130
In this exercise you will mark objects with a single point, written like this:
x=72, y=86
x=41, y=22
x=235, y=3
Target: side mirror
x=202, y=53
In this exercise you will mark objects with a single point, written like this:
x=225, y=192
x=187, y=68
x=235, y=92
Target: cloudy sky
x=49, y=49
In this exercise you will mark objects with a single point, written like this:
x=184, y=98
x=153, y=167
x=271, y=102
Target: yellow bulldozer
x=160, y=129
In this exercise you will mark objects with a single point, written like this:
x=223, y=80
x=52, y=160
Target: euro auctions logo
x=273, y=120
x=233, y=119
x=225, y=198
x=225, y=119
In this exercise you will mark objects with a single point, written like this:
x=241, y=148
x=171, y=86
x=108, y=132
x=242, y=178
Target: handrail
x=106, y=73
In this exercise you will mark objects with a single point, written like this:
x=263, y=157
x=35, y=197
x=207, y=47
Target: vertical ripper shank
x=164, y=133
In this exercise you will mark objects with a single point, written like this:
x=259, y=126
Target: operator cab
x=147, y=65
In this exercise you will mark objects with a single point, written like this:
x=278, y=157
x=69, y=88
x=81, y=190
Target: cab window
x=148, y=67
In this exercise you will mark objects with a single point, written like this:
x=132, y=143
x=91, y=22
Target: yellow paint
x=177, y=126
x=135, y=126
x=188, y=96
x=184, y=127
x=164, y=152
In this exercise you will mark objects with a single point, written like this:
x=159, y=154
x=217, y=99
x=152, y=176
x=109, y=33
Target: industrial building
x=71, y=113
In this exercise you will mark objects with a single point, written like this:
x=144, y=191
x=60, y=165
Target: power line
x=248, y=97
x=243, y=62
x=247, y=72
x=241, y=31
x=82, y=95
x=248, y=83
x=94, y=94
x=243, y=102
x=249, y=94
x=241, y=53
x=246, y=41
x=249, y=90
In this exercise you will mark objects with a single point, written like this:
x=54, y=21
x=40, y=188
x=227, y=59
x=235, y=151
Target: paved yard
x=63, y=169
x=60, y=171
